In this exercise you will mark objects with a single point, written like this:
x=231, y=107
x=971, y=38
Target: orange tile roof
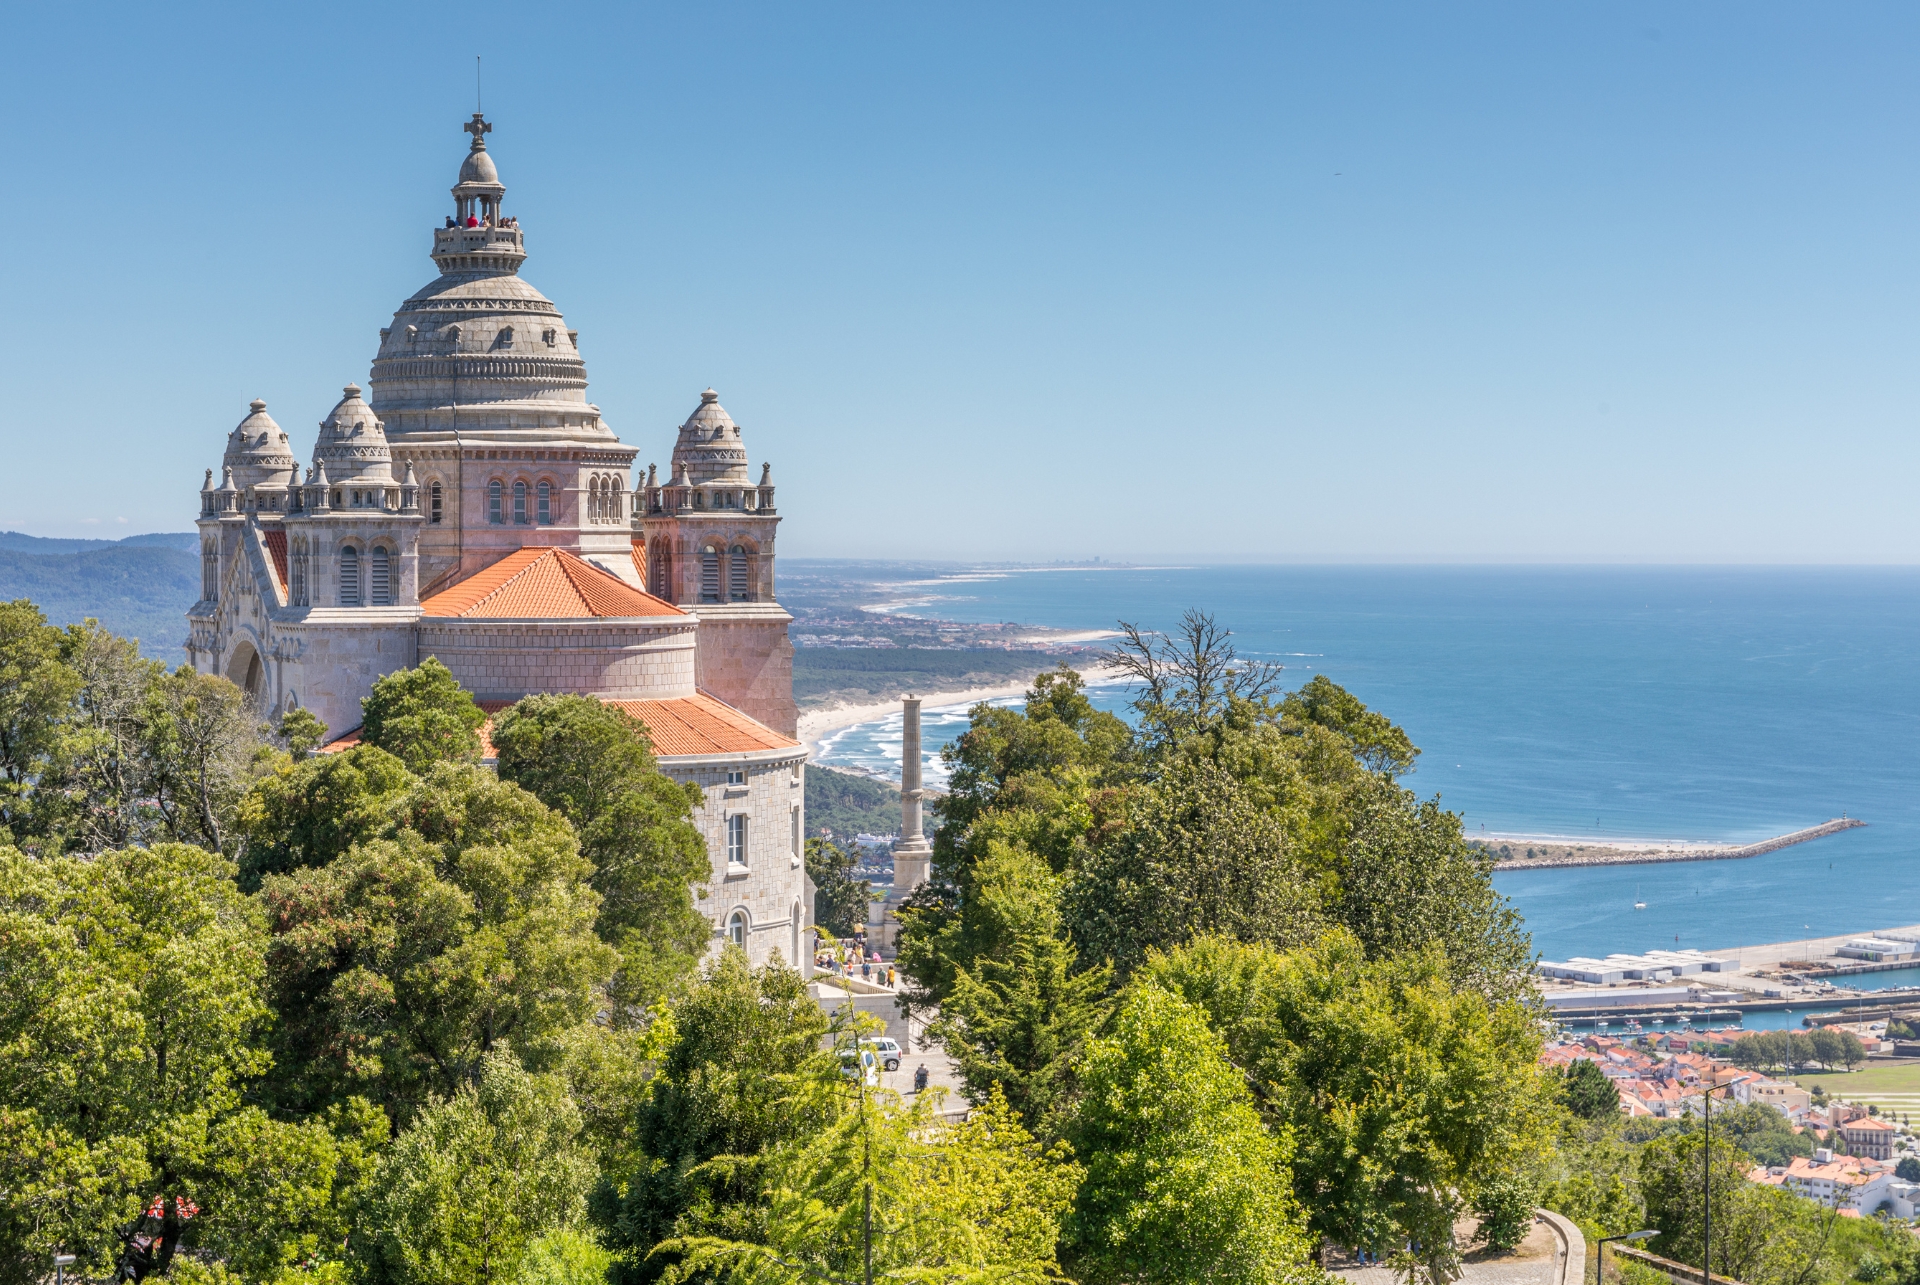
x=677, y=726
x=700, y=724
x=277, y=554
x=543, y=584
x=639, y=552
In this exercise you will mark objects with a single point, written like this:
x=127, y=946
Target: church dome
x=258, y=452
x=478, y=346
x=352, y=446
x=478, y=167
x=710, y=446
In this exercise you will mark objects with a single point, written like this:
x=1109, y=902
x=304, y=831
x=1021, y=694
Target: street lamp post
x=60, y=1264
x=1600, y=1252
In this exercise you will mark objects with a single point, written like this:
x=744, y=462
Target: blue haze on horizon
x=1265, y=283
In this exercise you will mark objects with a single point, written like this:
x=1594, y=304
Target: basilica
x=471, y=504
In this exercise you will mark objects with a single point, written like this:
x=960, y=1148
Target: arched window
x=433, y=503
x=544, y=507
x=380, y=576
x=737, y=928
x=737, y=574
x=519, y=503
x=209, y=572
x=493, y=501
x=709, y=574
x=616, y=511
x=297, y=573
x=349, y=577
x=737, y=839
x=662, y=571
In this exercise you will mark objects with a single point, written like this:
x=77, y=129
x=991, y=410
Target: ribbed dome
x=258, y=452
x=709, y=445
x=478, y=167
x=352, y=444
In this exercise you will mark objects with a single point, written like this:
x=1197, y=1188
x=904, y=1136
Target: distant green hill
x=188, y=541
x=848, y=805
x=140, y=590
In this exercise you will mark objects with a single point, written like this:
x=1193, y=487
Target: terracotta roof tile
x=702, y=725
x=677, y=726
x=277, y=555
x=543, y=584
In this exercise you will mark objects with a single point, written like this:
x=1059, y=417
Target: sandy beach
x=816, y=723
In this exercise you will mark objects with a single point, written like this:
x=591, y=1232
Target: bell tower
x=706, y=540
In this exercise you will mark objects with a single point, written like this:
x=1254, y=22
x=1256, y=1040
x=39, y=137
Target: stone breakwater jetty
x=1555, y=853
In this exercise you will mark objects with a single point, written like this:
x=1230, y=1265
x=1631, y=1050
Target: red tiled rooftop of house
x=544, y=584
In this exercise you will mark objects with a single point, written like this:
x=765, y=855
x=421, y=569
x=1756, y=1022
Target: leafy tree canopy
x=422, y=716
x=839, y=900
x=1183, y=1182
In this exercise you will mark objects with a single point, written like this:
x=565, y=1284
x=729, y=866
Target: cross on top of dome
x=479, y=128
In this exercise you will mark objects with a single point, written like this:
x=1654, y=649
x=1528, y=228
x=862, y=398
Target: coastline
x=818, y=722
x=1557, y=851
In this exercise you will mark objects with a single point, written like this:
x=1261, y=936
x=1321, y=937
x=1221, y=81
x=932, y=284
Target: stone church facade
x=470, y=504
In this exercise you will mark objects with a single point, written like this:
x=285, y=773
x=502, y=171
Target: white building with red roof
x=472, y=505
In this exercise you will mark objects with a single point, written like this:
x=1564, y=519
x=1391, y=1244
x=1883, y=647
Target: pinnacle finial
x=479, y=128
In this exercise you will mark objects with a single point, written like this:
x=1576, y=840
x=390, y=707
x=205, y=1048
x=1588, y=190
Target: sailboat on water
x=1637, y=903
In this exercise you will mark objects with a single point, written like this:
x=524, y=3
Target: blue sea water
x=1726, y=704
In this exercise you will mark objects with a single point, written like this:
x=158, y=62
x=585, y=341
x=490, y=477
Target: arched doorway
x=246, y=672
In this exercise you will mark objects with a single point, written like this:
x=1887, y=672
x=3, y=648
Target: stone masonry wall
x=746, y=660
x=623, y=660
x=770, y=887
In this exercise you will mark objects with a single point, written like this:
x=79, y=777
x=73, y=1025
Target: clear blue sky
x=1283, y=283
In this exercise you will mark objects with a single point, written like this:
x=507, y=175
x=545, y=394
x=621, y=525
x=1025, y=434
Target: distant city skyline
x=1391, y=283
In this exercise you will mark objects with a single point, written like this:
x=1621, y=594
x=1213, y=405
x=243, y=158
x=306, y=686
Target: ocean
x=1722, y=704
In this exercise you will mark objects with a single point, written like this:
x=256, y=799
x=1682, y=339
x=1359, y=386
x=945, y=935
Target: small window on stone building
x=519, y=503
x=737, y=928
x=736, y=776
x=349, y=577
x=493, y=502
x=737, y=839
x=737, y=588
x=544, y=506
x=793, y=843
x=380, y=577
x=710, y=574
x=433, y=503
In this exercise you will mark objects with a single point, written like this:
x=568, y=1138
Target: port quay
x=1719, y=987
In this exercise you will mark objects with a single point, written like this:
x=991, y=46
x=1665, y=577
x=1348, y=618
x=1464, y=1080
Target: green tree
x=130, y=1026
x=422, y=716
x=1827, y=1048
x=398, y=966
x=1402, y=1094
x=200, y=735
x=839, y=900
x=306, y=813
x=1585, y=1090
x=1190, y=679
x=592, y=763
x=1409, y=880
x=103, y=775
x=476, y=1179
x=1504, y=1206
x=1183, y=1182
x=739, y=1080
x=973, y=1202
x=36, y=693
x=1196, y=857
x=301, y=732
x=1375, y=740
x=1017, y=1017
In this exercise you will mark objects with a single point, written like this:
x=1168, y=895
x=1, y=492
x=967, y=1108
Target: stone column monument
x=912, y=855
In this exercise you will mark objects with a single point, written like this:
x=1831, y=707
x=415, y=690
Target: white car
x=866, y=1068
x=888, y=1050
